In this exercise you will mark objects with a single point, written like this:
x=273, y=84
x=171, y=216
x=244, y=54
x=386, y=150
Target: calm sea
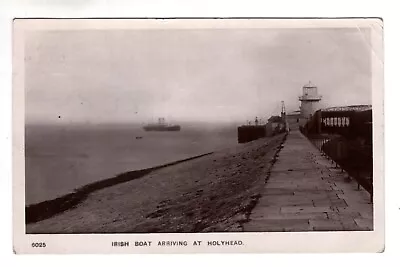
x=60, y=159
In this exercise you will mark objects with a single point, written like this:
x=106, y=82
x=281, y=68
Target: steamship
x=162, y=126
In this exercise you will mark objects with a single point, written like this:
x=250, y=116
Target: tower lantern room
x=309, y=100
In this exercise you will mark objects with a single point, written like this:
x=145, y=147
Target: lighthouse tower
x=309, y=100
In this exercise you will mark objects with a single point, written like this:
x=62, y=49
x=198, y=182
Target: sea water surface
x=59, y=159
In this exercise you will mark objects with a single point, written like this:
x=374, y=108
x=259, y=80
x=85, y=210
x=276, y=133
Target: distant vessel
x=161, y=126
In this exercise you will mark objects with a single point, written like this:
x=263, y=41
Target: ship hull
x=173, y=128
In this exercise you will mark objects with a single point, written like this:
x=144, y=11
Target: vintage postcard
x=198, y=135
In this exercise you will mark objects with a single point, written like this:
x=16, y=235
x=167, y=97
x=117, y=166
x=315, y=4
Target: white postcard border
x=368, y=241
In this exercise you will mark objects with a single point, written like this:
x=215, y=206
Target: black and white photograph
x=203, y=126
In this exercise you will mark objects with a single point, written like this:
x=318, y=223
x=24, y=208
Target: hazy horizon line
x=97, y=123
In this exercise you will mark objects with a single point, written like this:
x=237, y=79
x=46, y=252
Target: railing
x=345, y=137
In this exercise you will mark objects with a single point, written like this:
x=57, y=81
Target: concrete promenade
x=305, y=192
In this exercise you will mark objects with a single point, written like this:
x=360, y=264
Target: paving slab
x=306, y=209
x=364, y=223
x=285, y=201
x=294, y=215
x=287, y=224
x=278, y=191
x=307, y=192
x=330, y=202
x=326, y=225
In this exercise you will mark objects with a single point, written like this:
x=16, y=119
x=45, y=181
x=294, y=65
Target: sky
x=207, y=75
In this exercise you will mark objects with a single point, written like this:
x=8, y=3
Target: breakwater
x=206, y=194
x=49, y=208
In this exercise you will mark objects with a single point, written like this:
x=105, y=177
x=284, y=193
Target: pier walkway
x=305, y=192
